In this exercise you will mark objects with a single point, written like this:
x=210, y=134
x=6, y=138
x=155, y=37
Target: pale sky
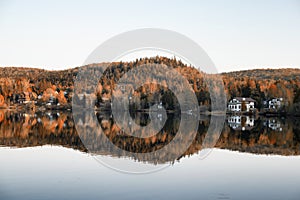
x=235, y=34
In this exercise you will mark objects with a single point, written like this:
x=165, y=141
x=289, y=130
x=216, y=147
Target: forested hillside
x=20, y=87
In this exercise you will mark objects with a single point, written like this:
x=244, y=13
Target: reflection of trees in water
x=36, y=129
x=28, y=130
x=113, y=140
x=264, y=139
x=121, y=139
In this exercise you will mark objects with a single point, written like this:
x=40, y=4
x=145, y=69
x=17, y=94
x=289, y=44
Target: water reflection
x=240, y=122
x=258, y=135
x=274, y=124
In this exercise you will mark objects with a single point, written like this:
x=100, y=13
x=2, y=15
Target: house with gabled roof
x=274, y=104
x=241, y=104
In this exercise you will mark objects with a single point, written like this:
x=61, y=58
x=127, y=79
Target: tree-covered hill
x=38, y=87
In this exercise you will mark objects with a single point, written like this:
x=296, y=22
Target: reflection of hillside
x=263, y=140
x=28, y=130
x=117, y=142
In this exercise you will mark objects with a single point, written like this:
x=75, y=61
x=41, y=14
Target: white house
x=273, y=104
x=241, y=104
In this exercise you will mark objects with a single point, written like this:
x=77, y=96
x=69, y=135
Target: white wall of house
x=236, y=106
x=275, y=103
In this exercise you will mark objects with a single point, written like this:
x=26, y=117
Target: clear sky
x=235, y=34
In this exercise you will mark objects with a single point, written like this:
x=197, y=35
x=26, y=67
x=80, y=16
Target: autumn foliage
x=41, y=85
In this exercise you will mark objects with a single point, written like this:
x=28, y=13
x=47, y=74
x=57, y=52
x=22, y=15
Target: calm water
x=44, y=157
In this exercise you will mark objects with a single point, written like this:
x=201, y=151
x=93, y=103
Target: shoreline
x=68, y=108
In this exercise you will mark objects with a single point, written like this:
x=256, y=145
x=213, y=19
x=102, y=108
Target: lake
x=51, y=155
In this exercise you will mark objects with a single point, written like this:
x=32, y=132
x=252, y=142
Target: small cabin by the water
x=241, y=104
x=52, y=101
x=273, y=104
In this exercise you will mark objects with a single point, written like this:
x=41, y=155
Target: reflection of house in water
x=273, y=124
x=158, y=107
x=238, y=122
x=241, y=104
x=160, y=116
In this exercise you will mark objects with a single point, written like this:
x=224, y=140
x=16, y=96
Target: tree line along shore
x=39, y=89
